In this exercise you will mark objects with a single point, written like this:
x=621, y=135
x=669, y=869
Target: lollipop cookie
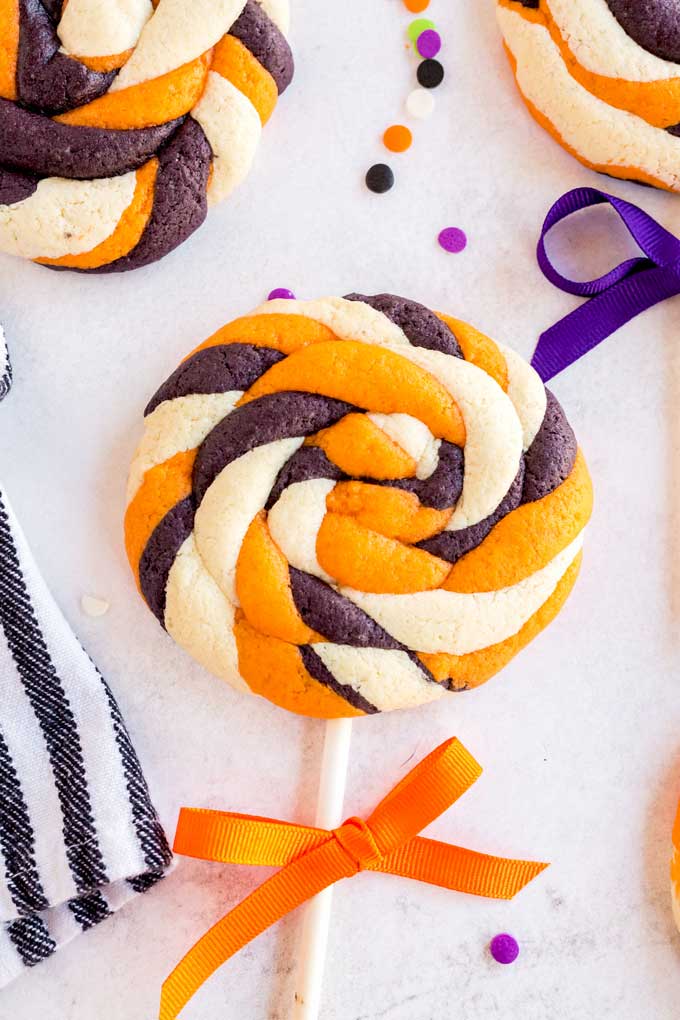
x=121, y=122
x=353, y=505
x=603, y=77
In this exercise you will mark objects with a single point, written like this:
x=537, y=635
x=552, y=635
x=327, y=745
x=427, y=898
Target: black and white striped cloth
x=78, y=833
x=5, y=367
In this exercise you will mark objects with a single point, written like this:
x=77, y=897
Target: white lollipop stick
x=318, y=912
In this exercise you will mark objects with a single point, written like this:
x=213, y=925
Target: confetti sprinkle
x=430, y=74
x=379, y=178
x=397, y=138
x=420, y=103
x=417, y=28
x=429, y=43
x=452, y=239
x=504, y=948
x=93, y=606
x=281, y=292
x=416, y=6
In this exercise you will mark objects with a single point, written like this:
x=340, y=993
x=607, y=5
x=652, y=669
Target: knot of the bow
x=358, y=842
x=616, y=297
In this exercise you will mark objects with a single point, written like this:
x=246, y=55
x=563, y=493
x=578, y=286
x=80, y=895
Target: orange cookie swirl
x=354, y=504
x=121, y=123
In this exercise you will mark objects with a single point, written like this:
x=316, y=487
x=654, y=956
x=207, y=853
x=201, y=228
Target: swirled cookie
x=603, y=77
x=354, y=504
x=120, y=122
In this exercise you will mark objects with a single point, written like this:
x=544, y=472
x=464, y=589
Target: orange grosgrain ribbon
x=312, y=859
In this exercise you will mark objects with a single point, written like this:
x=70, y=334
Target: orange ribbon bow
x=312, y=859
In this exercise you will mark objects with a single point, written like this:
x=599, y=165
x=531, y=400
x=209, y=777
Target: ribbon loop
x=616, y=297
x=312, y=859
x=424, y=794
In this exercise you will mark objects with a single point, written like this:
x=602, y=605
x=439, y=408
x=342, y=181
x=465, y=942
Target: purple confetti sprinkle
x=453, y=239
x=281, y=292
x=429, y=43
x=504, y=948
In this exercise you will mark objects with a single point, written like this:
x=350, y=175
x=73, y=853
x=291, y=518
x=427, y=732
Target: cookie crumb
x=93, y=606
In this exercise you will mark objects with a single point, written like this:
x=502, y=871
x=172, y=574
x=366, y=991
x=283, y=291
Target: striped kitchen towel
x=5, y=367
x=78, y=833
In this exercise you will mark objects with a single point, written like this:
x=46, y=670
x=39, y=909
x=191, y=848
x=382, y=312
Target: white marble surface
x=580, y=738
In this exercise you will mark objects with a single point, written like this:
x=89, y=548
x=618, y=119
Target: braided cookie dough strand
x=233, y=128
x=443, y=621
x=291, y=505
x=93, y=29
x=493, y=444
x=177, y=34
x=176, y=426
x=345, y=319
x=89, y=212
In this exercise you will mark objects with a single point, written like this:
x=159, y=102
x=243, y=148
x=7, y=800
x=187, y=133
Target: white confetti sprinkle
x=420, y=103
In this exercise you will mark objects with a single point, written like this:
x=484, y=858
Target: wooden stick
x=318, y=912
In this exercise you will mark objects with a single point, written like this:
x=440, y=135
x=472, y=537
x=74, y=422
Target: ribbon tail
x=230, y=838
x=459, y=869
x=283, y=892
x=591, y=323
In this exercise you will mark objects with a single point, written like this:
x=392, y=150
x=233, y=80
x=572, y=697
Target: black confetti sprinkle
x=379, y=178
x=430, y=74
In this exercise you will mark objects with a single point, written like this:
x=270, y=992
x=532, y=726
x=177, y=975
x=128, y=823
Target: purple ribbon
x=615, y=298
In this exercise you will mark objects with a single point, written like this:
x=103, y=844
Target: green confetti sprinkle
x=418, y=26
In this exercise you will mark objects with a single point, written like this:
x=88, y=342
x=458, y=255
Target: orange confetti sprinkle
x=416, y=6
x=397, y=138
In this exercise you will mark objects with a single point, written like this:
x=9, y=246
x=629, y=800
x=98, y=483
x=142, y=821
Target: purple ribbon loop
x=615, y=298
